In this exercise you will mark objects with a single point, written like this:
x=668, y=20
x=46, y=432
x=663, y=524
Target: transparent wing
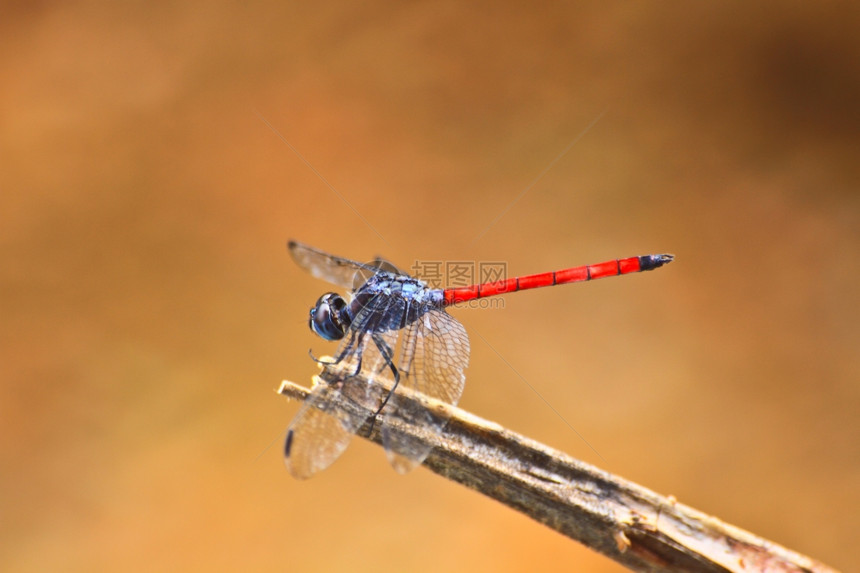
x=319, y=433
x=321, y=430
x=336, y=270
x=322, y=265
x=433, y=358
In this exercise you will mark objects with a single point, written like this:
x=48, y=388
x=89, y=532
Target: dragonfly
x=397, y=339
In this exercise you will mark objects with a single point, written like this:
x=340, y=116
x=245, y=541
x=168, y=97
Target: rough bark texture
x=633, y=525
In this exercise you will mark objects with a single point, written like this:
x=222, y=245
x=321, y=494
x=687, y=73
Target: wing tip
x=288, y=444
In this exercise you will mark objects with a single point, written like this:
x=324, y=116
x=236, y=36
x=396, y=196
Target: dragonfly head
x=329, y=318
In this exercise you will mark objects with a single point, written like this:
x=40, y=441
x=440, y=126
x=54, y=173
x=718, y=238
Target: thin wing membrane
x=433, y=359
x=319, y=434
x=337, y=270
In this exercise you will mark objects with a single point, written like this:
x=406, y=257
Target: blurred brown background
x=149, y=307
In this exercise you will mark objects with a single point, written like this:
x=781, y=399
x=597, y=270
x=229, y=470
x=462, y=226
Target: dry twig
x=634, y=526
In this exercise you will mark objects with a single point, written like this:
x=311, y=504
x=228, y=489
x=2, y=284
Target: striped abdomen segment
x=572, y=275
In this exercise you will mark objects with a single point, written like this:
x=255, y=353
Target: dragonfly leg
x=358, y=366
x=318, y=360
x=359, y=351
x=388, y=357
x=347, y=350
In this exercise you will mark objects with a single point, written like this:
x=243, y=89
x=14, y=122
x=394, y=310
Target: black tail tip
x=649, y=262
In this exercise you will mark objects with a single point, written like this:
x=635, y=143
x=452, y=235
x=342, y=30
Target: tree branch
x=634, y=526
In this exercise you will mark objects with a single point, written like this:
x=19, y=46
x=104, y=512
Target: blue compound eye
x=327, y=317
